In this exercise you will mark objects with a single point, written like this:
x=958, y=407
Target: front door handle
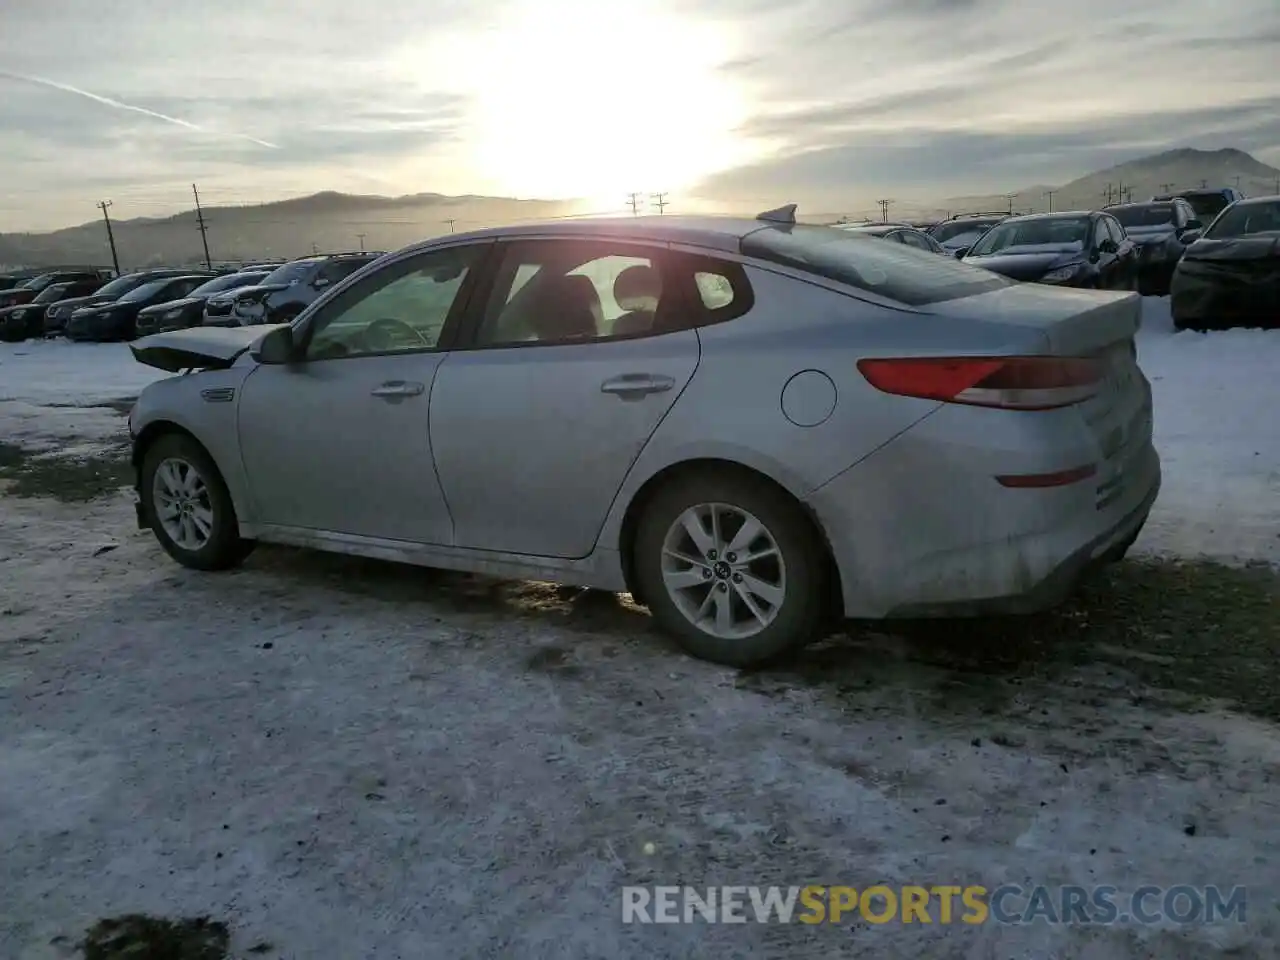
x=398, y=388
x=632, y=386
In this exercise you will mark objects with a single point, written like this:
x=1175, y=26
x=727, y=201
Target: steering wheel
x=389, y=333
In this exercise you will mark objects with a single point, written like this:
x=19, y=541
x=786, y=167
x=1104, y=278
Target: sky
x=732, y=104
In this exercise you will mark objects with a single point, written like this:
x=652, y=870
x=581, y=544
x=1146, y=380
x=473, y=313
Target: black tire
x=225, y=548
x=804, y=607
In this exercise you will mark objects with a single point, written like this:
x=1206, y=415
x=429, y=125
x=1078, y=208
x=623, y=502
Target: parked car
x=56, y=317
x=29, y=289
x=27, y=320
x=117, y=319
x=1207, y=202
x=189, y=311
x=957, y=234
x=1230, y=277
x=1162, y=230
x=772, y=424
x=1069, y=249
x=902, y=233
x=16, y=278
x=286, y=291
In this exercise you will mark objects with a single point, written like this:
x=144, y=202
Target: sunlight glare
x=570, y=99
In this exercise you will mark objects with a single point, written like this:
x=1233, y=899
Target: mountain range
x=333, y=221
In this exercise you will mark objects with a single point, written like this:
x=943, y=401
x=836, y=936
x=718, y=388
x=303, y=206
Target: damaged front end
x=1228, y=283
x=198, y=348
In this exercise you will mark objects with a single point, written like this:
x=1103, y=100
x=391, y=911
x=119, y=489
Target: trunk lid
x=203, y=348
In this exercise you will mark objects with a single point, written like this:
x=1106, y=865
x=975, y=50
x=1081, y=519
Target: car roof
x=719, y=233
x=1137, y=203
x=1256, y=201
x=1056, y=215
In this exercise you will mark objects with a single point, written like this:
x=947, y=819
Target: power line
x=659, y=200
x=111, y=239
x=884, y=210
x=204, y=231
x=633, y=200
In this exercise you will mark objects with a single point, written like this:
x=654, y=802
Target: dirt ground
x=327, y=757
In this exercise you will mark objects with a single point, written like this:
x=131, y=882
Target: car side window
x=1116, y=231
x=401, y=308
x=564, y=291
x=1100, y=235
x=915, y=240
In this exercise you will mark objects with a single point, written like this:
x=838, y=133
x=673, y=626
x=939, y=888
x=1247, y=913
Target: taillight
x=1012, y=383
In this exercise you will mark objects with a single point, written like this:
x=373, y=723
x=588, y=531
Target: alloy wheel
x=723, y=570
x=180, y=498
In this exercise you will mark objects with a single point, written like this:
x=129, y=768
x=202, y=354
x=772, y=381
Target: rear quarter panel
x=733, y=407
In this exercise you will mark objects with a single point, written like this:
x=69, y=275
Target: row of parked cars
x=1224, y=274
x=90, y=303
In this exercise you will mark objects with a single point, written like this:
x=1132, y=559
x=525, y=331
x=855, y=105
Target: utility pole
x=204, y=231
x=1277, y=185
x=111, y=238
x=659, y=200
x=1237, y=181
x=360, y=237
x=884, y=210
x=1049, y=194
x=1204, y=184
x=1009, y=197
x=315, y=250
x=633, y=201
x=451, y=221
x=1166, y=188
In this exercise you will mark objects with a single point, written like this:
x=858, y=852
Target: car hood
x=102, y=306
x=1021, y=266
x=75, y=303
x=16, y=298
x=206, y=348
x=1255, y=246
x=258, y=288
x=173, y=305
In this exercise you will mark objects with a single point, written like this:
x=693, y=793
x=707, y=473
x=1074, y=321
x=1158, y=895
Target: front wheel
x=190, y=510
x=732, y=568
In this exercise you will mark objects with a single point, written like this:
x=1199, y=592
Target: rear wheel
x=190, y=510
x=732, y=568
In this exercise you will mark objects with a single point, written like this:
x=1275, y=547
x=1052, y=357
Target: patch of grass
x=1193, y=631
x=70, y=479
x=139, y=937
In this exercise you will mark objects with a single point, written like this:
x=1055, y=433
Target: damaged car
x=753, y=426
x=1230, y=277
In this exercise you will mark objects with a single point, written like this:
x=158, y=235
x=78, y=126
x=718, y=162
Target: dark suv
x=285, y=291
x=56, y=317
x=29, y=289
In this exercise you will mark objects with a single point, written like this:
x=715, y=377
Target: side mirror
x=276, y=347
x=1190, y=236
x=320, y=282
x=961, y=252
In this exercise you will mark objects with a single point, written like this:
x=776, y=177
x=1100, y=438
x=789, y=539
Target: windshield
x=291, y=272
x=119, y=286
x=1206, y=205
x=1147, y=215
x=908, y=275
x=1022, y=236
x=40, y=282
x=229, y=282
x=1246, y=218
x=51, y=293
x=958, y=228
x=146, y=290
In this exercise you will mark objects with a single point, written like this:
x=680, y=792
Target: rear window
x=1246, y=218
x=1152, y=215
x=1206, y=205
x=905, y=274
x=956, y=228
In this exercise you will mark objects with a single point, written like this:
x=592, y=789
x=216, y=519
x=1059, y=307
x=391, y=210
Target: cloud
x=120, y=105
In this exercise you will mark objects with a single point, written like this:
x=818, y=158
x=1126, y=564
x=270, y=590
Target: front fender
x=204, y=405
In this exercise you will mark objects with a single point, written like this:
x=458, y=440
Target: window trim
x=482, y=295
x=304, y=327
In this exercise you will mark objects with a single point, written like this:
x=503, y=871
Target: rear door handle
x=398, y=388
x=631, y=386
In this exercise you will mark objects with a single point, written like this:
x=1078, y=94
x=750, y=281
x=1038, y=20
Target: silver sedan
x=753, y=426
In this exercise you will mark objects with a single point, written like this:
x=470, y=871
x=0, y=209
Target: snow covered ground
x=343, y=758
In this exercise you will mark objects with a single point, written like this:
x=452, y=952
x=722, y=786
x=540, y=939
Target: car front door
x=338, y=441
x=578, y=354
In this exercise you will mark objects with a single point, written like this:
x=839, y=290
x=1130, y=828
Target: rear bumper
x=919, y=531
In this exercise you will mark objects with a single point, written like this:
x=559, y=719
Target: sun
x=571, y=99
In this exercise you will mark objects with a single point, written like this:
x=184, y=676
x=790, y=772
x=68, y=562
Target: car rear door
x=567, y=371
